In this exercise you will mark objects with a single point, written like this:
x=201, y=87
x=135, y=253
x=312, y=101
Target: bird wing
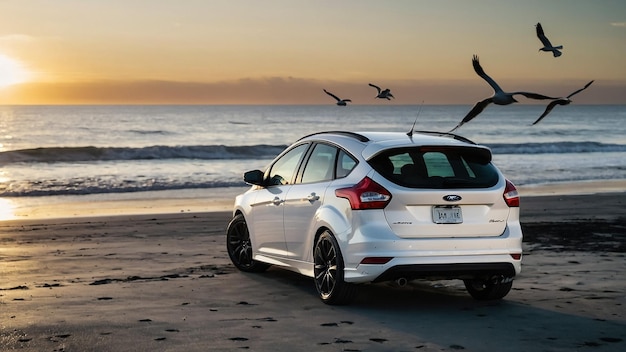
x=550, y=107
x=332, y=95
x=535, y=96
x=580, y=90
x=542, y=36
x=477, y=109
x=479, y=71
x=377, y=87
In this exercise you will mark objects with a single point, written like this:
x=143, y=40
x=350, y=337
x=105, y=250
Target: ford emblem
x=452, y=198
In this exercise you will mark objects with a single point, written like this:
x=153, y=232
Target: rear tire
x=485, y=290
x=239, y=246
x=329, y=272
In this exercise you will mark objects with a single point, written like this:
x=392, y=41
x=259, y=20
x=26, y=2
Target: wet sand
x=163, y=282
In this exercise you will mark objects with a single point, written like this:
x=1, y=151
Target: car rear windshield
x=437, y=167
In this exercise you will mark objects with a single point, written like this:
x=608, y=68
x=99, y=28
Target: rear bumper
x=436, y=258
x=437, y=268
x=448, y=271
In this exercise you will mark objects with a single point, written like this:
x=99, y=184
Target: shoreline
x=214, y=200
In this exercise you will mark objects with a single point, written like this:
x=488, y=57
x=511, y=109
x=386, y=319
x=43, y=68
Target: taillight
x=366, y=194
x=511, y=197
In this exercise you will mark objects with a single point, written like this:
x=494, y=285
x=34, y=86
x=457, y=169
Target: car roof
x=373, y=142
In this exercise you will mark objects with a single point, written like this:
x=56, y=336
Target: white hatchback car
x=347, y=208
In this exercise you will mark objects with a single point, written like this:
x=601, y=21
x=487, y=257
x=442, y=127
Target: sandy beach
x=162, y=281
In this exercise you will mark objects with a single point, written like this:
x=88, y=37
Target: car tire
x=329, y=272
x=239, y=246
x=484, y=290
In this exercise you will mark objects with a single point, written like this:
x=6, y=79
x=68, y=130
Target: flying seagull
x=340, y=102
x=547, y=46
x=382, y=94
x=560, y=101
x=499, y=96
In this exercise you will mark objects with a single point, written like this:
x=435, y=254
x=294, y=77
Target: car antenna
x=410, y=133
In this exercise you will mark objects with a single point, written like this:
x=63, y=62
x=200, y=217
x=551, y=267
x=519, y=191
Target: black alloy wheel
x=240, y=248
x=329, y=272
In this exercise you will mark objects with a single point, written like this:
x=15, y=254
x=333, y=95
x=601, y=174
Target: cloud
x=16, y=38
x=618, y=24
x=287, y=91
x=249, y=91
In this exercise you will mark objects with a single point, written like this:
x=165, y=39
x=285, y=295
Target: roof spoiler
x=354, y=135
x=447, y=134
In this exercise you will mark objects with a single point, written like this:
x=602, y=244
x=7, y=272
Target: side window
x=345, y=164
x=320, y=166
x=284, y=168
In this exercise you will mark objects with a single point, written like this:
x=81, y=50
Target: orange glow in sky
x=285, y=52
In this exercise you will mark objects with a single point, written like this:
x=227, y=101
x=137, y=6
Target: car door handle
x=277, y=201
x=313, y=197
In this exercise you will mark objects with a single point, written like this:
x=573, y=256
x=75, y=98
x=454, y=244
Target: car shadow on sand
x=443, y=314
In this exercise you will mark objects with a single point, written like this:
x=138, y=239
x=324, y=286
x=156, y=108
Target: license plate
x=447, y=214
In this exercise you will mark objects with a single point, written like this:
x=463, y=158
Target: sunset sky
x=286, y=51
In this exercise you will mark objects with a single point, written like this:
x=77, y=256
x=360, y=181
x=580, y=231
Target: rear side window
x=345, y=164
x=437, y=167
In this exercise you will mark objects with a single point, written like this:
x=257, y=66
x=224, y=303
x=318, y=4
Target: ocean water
x=87, y=150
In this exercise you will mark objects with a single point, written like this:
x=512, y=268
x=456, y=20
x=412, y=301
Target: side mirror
x=254, y=177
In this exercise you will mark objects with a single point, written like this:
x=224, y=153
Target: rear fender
x=329, y=217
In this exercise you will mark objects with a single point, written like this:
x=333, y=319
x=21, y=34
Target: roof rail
x=447, y=134
x=354, y=135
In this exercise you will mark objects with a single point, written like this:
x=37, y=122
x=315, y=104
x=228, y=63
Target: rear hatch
x=427, y=215
x=442, y=191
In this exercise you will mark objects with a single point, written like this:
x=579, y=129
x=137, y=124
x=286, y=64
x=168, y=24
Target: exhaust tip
x=401, y=282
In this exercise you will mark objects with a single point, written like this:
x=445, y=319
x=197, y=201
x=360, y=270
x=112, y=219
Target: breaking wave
x=556, y=148
x=86, y=154
x=261, y=151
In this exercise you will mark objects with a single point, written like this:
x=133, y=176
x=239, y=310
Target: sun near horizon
x=12, y=72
